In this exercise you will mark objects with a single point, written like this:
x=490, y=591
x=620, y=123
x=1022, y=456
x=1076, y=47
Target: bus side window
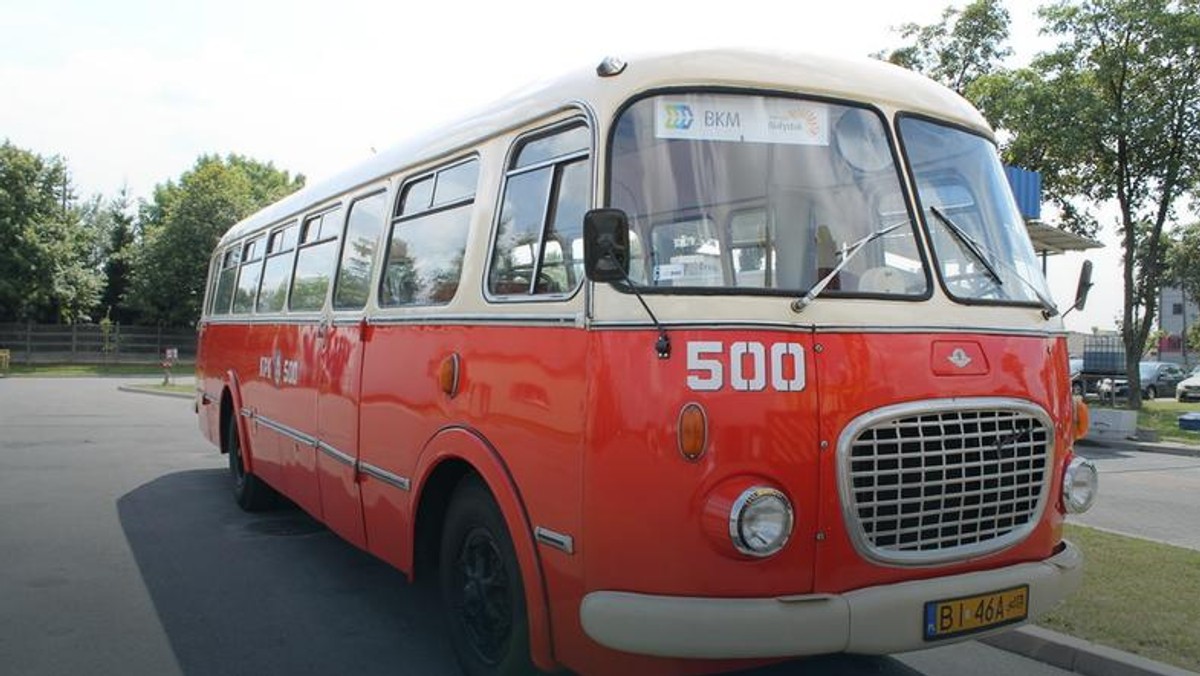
x=315, y=260
x=248, y=276
x=363, y=226
x=429, y=237
x=226, y=280
x=548, y=189
x=277, y=270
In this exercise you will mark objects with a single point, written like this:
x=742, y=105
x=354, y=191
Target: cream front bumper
x=874, y=620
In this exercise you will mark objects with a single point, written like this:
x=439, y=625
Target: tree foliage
x=181, y=225
x=1111, y=115
x=119, y=235
x=1126, y=79
x=965, y=45
x=47, y=250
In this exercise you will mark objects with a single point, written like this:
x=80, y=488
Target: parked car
x=1189, y=388
x=1157, y=377
x=1076, y=367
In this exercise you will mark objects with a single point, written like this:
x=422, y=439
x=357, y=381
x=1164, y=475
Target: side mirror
x=606, y=245
x=1085, y=285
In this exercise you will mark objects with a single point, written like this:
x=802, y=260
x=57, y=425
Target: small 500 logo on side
x=279, y=370
x=751, y=366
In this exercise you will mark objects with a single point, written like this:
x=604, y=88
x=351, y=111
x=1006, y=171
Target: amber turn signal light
x=1082, y=418
x=692, y=431
x=448, y=374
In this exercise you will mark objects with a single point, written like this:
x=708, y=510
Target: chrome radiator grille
x=942, y=480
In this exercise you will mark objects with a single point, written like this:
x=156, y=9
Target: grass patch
x=1162, y=415
x=78, y=370
x=1137, y=596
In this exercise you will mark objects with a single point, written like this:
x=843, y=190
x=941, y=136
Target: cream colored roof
x=864, y=80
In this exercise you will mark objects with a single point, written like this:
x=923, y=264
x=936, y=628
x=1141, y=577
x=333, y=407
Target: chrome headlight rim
x=1083, y=472
x=748, y=498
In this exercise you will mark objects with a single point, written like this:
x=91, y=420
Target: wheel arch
x=231, y=407
x=448, y=457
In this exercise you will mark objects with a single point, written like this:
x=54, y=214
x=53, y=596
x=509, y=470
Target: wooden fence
x=93, y=343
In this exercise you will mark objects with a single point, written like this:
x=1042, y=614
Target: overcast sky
x=130, y=92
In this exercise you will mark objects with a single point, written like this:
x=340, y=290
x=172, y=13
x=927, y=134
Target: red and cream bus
x=672, y=366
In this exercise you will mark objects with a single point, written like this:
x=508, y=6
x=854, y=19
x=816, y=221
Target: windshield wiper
x=967, y=241
x=1049, y=309
x=799, y=304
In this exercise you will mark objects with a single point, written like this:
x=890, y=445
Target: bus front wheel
x=250, y=493
x=481, y=586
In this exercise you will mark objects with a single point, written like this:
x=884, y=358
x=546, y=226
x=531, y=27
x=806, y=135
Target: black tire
x=250, y=492
x=1151, y=393
x=481, y=586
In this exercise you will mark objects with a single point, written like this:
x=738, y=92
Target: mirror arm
x=662, y=346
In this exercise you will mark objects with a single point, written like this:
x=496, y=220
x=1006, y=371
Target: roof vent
x=610, y=66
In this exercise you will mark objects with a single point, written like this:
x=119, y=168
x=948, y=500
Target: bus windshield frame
x=981, y=249
x=735, y=192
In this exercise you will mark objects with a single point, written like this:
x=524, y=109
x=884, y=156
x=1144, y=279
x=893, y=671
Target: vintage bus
x=670, y=366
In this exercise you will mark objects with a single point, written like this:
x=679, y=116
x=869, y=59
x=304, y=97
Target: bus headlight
x=760, y=521
x=1080, y=483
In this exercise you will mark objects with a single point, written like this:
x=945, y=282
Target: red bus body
x=561, y=406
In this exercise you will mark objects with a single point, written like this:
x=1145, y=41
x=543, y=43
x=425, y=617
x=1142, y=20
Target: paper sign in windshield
x=742, y=119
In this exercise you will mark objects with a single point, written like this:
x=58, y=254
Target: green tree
x=111, y=224
x=47, y=255
x=181, y=225
x=1114, y=113
x=965, y=45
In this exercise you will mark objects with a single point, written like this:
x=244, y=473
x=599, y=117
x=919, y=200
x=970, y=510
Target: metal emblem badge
x=959, y=358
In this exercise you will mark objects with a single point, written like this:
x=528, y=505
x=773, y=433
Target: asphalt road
x=1148, y=495
x=122, y=552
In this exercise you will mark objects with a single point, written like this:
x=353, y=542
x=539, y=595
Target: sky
x=131, y=92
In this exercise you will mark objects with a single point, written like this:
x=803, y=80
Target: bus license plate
x=954, y=617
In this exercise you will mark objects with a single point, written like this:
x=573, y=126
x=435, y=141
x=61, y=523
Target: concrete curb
x=1078, y=655
x=143, y=389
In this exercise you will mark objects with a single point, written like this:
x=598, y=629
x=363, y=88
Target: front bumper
x=874, y=620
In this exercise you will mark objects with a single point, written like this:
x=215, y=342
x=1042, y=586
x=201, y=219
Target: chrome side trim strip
x=247, y=413
x=294, y=434
x=558, y=541
x=334, y=453
x=384, y=475
x=572, y=319
x=824, y=328
x=237, y=320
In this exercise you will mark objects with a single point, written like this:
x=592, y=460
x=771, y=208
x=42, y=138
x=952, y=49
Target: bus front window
x=979, y=239
x=735, y=193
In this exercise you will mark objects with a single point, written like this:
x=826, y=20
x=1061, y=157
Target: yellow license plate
x=968, y=614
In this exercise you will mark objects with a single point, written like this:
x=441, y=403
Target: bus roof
x=863, y=80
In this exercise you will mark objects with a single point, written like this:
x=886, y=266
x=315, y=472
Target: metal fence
x=93, y=343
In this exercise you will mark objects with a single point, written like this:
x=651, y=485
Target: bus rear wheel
x=249, y=491
x=481, y=586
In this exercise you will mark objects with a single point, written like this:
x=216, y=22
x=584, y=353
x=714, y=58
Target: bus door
x=316, y=258
x=340, y=358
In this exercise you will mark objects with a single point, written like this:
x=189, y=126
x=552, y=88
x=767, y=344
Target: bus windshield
x=979, y=239
x=730, y=193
